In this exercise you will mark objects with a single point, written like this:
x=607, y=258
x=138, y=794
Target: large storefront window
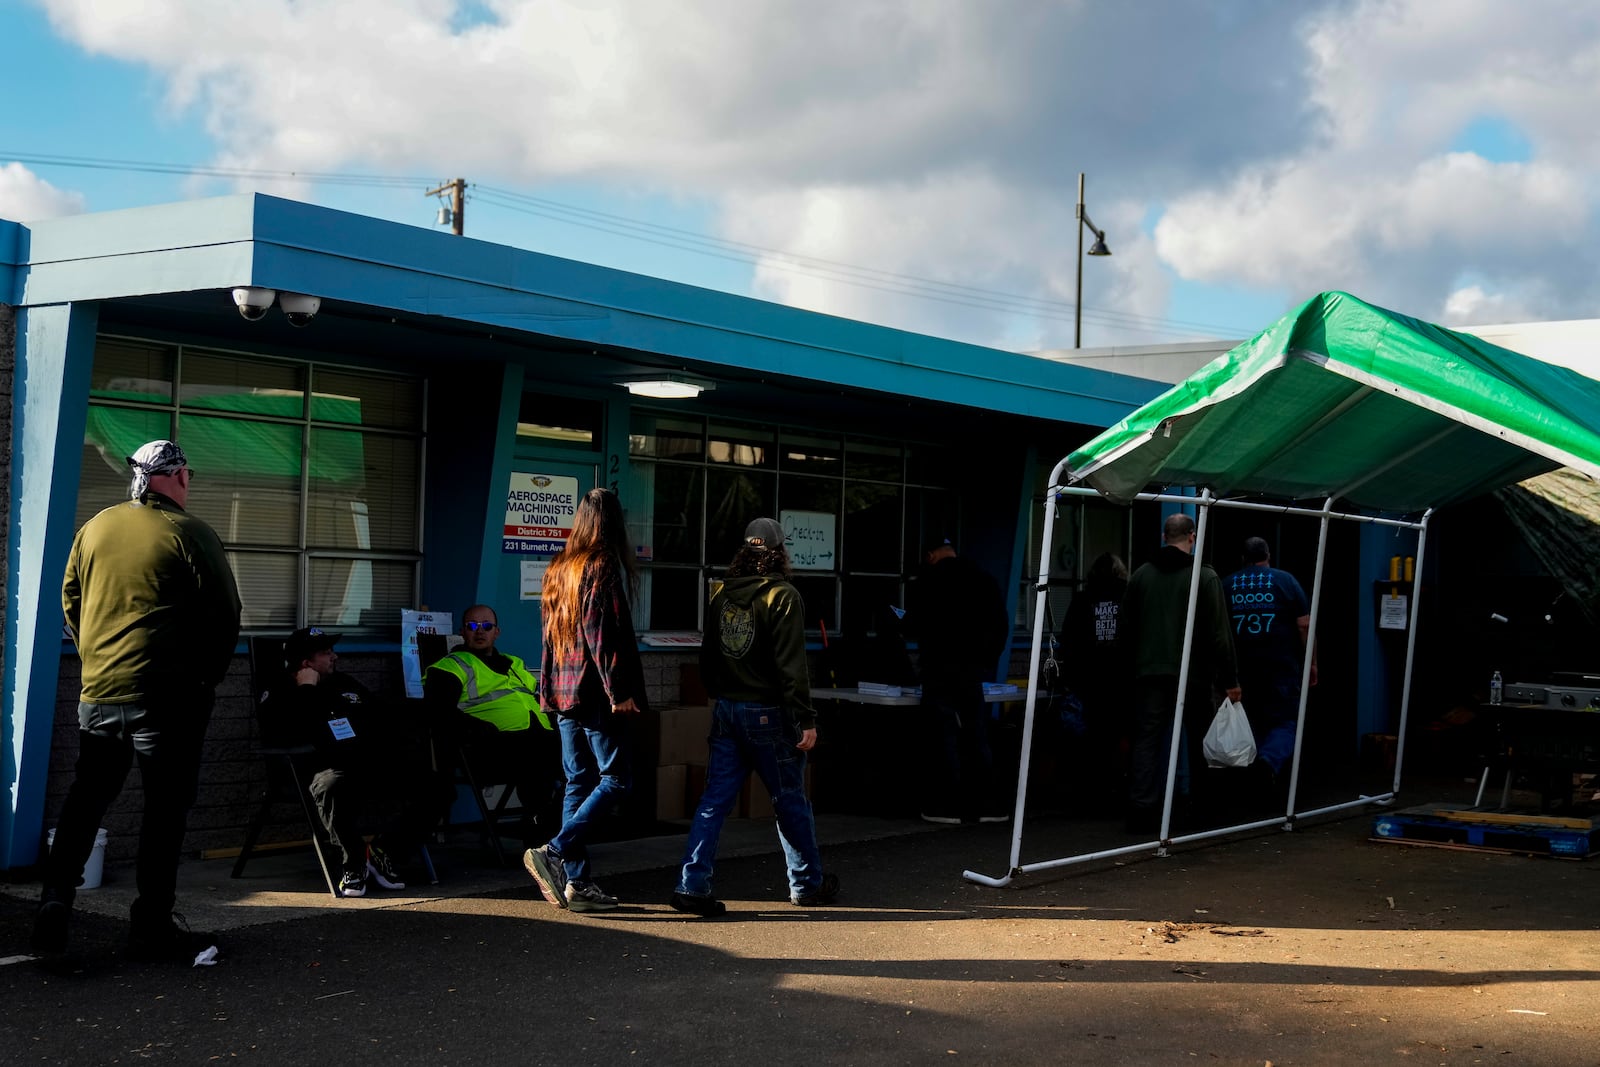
x=311, y=475
x=698, y=482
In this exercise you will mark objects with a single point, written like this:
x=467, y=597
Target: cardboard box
x=684, y=729
x=672, y=792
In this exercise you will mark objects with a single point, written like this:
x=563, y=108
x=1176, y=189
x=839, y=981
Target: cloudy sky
x=908, y=162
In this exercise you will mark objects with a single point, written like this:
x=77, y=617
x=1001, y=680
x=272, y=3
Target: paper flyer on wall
x=413, y=623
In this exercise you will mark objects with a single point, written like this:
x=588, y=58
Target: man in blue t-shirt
x=1271, y=619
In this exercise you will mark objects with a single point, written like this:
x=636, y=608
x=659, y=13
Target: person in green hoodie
x=1154, y=612
x=753, y=661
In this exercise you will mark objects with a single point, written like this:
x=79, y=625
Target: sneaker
x=826, y=893
x=50, y=928
x=354, y=883
x=586, y=896
x=381, y=866
x=172, y=943
x=546, y=868
x=997, y=817
x=945, y=820
x=709, y=907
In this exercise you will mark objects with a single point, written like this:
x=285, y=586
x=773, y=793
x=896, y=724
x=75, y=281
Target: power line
x=950, y=293
x=751, y=253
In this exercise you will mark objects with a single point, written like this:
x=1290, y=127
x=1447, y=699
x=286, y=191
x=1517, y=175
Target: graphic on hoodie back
x=736, y=630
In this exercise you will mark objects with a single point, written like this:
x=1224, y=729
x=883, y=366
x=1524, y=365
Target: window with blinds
x=311, y=475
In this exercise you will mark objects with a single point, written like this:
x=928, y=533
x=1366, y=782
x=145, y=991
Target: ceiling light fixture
x=667, y=386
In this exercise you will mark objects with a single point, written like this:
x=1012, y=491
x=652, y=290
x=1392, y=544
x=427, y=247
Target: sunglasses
x=476, y=626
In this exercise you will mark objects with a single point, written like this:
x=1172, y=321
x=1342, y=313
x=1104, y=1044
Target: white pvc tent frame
x=1205, y=501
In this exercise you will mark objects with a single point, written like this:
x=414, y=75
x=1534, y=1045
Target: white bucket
x=96, y=865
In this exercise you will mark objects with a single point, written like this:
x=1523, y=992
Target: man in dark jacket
x=151, y=604
x=753, y=660
x=1154, y=612
x=358, y=756
x=957, y=615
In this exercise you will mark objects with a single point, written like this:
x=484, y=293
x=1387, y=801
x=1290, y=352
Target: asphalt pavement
x=1312, y=947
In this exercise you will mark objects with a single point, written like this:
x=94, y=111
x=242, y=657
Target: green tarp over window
x=1343, y=399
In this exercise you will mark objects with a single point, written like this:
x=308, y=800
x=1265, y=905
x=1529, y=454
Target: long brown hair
x=599, y=537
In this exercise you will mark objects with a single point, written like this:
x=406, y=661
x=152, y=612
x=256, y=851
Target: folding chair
x=288, y=777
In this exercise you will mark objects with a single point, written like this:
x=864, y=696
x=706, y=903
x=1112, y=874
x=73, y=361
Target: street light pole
x=1097, y=249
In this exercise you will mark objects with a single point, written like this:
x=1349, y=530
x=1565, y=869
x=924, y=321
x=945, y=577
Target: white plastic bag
x=1229, y=742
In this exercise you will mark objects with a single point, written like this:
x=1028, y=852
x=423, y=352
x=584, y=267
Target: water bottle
x=1495, y=688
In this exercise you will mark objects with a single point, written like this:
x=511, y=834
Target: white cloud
x=1267, y=146
x=1381, y=205
x=773, y=109
x=25, y=197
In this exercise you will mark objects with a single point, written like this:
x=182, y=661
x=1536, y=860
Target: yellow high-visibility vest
x=508, y=702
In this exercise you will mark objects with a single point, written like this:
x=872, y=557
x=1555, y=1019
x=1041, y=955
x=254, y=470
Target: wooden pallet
x=1489, y=831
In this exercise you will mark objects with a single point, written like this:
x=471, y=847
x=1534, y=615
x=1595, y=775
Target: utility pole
x=457, y=211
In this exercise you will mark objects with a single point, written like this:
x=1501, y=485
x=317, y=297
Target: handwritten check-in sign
x=810, y=536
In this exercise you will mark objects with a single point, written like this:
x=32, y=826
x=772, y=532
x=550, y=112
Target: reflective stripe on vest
x=492, y=705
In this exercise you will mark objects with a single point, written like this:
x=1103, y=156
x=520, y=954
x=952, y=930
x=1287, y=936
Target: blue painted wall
x=55, y=347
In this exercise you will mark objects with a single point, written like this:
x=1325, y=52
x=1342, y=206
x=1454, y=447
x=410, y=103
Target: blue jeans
x=748, y=736
x=599, y=772
x=1273, y=706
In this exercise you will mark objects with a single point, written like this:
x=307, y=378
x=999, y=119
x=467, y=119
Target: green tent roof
x=1343, y=399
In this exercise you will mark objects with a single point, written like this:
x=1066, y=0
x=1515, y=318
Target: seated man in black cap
x=357, y=757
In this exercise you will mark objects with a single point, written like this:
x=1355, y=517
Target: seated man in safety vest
x=487, y=700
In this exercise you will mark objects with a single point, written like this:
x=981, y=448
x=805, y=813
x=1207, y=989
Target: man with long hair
x=592, y=679
x=753, y=660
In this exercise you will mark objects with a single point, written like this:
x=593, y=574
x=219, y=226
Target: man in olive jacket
x=152, y=606
x=1154, y=612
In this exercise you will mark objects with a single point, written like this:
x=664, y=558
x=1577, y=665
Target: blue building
x=410, y=442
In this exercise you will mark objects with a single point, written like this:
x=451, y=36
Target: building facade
x=417, y=441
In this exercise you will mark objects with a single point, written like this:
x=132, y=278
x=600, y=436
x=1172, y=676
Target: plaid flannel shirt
x=603, y=669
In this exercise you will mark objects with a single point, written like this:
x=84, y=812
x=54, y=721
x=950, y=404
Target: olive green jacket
x=150, y=601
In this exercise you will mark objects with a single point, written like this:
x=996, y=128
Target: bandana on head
x=157, y=457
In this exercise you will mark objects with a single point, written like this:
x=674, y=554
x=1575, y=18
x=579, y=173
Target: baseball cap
x=764, y=533
x=307, y=642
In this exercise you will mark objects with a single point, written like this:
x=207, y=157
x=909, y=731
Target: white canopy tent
x=1379, y=417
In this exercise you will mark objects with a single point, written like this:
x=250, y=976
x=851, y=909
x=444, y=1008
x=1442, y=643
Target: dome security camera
x=253, y=302
x=298, y=308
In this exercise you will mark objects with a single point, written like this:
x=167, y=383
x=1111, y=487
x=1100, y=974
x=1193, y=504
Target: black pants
x=1155, y=699
x=958, y=758
x=342, y=795
x=528, y=760
x=165, y=734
